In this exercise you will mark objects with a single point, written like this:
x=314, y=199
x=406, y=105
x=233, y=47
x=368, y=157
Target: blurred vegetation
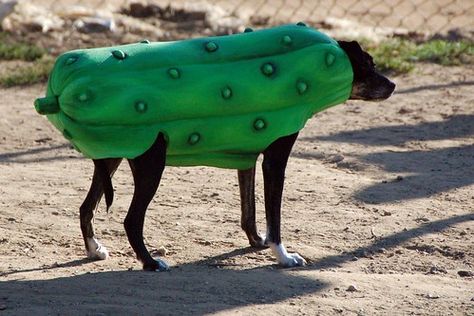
x=28, y=73
x=395, y=56
x=30, y=63
x=19, y=51
x=401, y=55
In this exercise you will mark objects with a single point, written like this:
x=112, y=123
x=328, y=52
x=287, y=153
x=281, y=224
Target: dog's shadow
x=196, y=288
x=426, y=172
x=40, y=154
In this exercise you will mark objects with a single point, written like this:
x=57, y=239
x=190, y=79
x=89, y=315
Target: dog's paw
x=285, y=259
x=157, y=265
x=96, y=251
x=293, y=260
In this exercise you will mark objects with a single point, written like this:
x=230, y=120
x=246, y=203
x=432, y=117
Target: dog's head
x=368, y=84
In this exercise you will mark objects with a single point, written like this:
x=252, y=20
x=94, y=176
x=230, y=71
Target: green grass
x=29, y=73
x=10, y=50
x=34, y=64
x=401, y=55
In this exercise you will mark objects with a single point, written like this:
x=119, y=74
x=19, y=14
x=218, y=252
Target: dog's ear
x=352, y=49
x=360, y=60
x=352, y=46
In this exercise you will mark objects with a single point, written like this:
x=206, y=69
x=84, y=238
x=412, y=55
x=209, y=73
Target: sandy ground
x=379, y=197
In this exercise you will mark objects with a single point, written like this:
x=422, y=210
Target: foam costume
x=219, y=101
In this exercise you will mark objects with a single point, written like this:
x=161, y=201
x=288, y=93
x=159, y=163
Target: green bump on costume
x=211, y=47
x=239, y=94
x=286, y=40
x=83, y=97
x=119, y=54
x=259, y=124
x=330, y=58
x=194, y=138
x=268, y=69
x=71, y=60
x=301, y=86
x=141, y=107
x=226, y=93
x=174, y=73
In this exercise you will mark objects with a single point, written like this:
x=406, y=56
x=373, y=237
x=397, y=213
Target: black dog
x=147, y=170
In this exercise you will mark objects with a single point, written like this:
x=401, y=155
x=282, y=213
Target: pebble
x=95, y=24
x=465, y=273
x=422, y=219
x=162, y=251
x=352, y=288
x=437, y=270
x=335, y=158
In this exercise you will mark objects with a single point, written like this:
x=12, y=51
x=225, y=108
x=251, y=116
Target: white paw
x=156, y=265
x=286, y=259
x=293, y=260
x=96, y=250
x=162, y=265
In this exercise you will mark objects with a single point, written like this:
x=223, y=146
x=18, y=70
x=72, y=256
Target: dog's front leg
x=247, y=204
x=147, y=170
x=274, y=165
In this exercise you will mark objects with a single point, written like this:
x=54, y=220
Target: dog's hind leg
x=274, y=165
x=147, y=170
x=247, y=205
x=102, y=168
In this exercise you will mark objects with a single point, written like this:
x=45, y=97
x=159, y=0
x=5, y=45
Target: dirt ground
x=379, y=200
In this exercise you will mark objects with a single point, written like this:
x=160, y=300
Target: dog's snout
x=372, y=88
x=384, y=89
x=391, y=86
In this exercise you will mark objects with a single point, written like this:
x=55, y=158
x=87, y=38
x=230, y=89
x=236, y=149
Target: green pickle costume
x=219, y=101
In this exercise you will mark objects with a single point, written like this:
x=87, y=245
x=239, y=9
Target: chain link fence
x=412, y=15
